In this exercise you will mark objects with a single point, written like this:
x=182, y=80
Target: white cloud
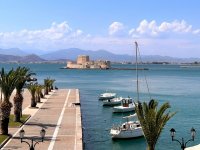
x=116, y=28
x=151, y=28
x=77, y=33
x=61, y=35
x=42, y=39
x=196, y=31
x=166, y=38
x=143, y=27
x=56, y=31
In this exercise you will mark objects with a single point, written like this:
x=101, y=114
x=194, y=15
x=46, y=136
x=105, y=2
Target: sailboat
x=129, y=129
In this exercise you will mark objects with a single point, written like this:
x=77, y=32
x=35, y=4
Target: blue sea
x=167, y=83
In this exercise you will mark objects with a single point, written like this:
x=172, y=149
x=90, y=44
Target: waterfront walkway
x=196, y=147
x=61, y=119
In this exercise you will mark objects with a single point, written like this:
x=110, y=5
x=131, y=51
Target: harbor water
x=167, y=83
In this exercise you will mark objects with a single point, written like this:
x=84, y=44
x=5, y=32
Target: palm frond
x=8, y=82
x=23, y=74
x=153, y=119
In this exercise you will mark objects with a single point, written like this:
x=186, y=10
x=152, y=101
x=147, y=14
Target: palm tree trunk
x=41, y=95
x=38, y=100
x=46, y=91
x=150, y=147
x=33, y=102
x=17, y=116
x=49, y=88
x=4, y=126
x=5, y=110
x=18, y=99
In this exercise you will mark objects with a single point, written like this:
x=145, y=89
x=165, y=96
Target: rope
x=140, y=59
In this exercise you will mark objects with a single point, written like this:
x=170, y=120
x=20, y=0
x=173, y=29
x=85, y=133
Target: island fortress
x=83, y=62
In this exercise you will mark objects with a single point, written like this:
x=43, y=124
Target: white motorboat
x=129, y=129
x=113, y=101
x=127, y=105
x=107, y=96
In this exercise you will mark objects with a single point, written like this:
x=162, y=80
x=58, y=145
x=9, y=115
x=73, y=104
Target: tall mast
x=136, y=55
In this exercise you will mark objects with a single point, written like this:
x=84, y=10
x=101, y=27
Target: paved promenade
x=196, y=147
x=61, y=119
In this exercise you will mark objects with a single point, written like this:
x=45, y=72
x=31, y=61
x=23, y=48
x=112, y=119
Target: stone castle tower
x=82, y=59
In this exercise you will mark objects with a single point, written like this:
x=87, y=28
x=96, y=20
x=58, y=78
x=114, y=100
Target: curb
x=23, y=122
x=5, y=141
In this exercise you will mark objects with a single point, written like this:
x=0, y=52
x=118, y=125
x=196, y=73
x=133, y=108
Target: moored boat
x=113, y=101
x=104, y=96
x=127, y=105
x=129, y=129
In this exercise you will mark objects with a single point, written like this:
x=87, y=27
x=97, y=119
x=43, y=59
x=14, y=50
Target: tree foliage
x=153, y=120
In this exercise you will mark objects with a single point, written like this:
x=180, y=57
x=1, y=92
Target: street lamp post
x=32, y=145
x=182, y=142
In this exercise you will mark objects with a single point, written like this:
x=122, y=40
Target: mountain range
x=72, y=54
x=13, y=51
x=18, y=55
x=20, y=59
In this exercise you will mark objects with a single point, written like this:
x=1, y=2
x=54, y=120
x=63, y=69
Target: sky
x=161, y=27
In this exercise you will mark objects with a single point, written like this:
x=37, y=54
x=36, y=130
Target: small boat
x=107, y=96
x=113, y=101
x=127, y=105
x=129, y=129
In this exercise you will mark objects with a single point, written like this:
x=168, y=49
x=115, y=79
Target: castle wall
x=83, y=62
x=82, y=59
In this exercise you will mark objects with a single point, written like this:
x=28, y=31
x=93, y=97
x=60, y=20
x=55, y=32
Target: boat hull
x=116, y=110
x=108, y=97
x=105, y=96
x=124, y=109
x=112, y=102
x=126, y=134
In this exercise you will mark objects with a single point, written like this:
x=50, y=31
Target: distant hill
x=35, y=51
x=158, y=58
x=9, y=58
x=72, y=54
x=15, y=54
x=31, y=58
x=20, y=59
x=13, y=51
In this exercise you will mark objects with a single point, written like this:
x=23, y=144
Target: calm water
x=179, y=86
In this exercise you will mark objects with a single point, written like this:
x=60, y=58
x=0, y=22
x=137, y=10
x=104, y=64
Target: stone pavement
x=61, y=119
x=196, y=147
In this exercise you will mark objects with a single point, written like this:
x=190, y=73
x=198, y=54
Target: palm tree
x=41, y=93
x=153, y=120
x=23, y=75
x=46, y=85
x=38, y=92
x=7, y=82
x=32, y=89
x=51, y=81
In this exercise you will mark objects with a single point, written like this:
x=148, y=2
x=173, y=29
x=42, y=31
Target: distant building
x=83, y=62
x=83, y=59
